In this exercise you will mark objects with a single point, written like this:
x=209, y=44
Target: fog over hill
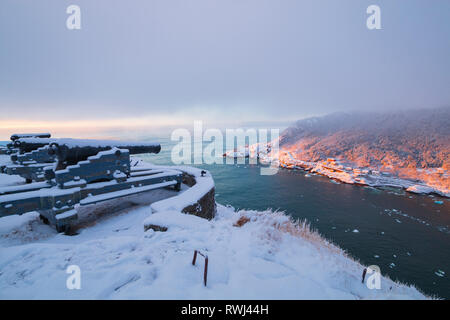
x=394, y=140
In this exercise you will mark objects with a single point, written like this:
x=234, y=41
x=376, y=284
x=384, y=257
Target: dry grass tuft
x=302, y=229
x=278, y=224
x=242, y=220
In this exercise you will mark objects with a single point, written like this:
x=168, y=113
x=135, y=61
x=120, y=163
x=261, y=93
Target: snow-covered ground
x=4, y=159
x=267, y=257
x=7, y=180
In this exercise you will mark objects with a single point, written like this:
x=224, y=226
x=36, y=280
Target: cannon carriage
x=80, y=173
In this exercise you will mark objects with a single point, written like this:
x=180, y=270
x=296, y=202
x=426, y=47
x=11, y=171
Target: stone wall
x=205, y=207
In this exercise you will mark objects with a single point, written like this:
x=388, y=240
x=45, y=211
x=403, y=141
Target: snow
x=126, y=192
x=9, y=180
x=440, y=273
x=24, y=135
x=5, y=159
x=266, y=258
x=189, y=197
x=47, y=192
x=176, y=220
x=66, y=214
x=421, y=189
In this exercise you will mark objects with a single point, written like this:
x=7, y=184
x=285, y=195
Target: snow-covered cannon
x=11, y=147
x=17, y=136
x=72, y=151
x=26, y=159
x=25, y=145
x=103, y=172
x=36, y=154
x=29, y=156
x=30, y=165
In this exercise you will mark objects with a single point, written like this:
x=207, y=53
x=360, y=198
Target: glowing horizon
x=96, y=128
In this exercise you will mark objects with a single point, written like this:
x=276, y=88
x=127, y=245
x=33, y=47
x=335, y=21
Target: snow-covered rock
x=421, y=189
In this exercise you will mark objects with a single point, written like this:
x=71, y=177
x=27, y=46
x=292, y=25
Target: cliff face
x=411, y=144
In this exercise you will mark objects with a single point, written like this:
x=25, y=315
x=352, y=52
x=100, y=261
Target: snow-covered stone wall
x=198, y=199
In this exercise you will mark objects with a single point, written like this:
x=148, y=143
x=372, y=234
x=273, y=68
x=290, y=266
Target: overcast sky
x=138, y=66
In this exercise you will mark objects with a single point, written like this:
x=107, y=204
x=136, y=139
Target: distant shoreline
x=364, y=177
x=338, y=171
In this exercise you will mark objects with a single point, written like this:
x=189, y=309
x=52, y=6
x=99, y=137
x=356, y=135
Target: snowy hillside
x=263, y=256
x=413, y=145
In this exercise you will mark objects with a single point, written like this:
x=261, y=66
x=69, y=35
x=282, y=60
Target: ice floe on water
x=440, y=273
x=391, y=212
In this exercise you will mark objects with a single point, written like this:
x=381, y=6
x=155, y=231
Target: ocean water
x=406, y=235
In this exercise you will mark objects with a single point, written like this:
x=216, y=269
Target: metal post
x=205, y=271
x=364, y=275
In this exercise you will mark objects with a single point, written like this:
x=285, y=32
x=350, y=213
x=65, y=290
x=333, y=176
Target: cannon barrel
x=31, y=144
x=72, y=151
x=17, y=136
